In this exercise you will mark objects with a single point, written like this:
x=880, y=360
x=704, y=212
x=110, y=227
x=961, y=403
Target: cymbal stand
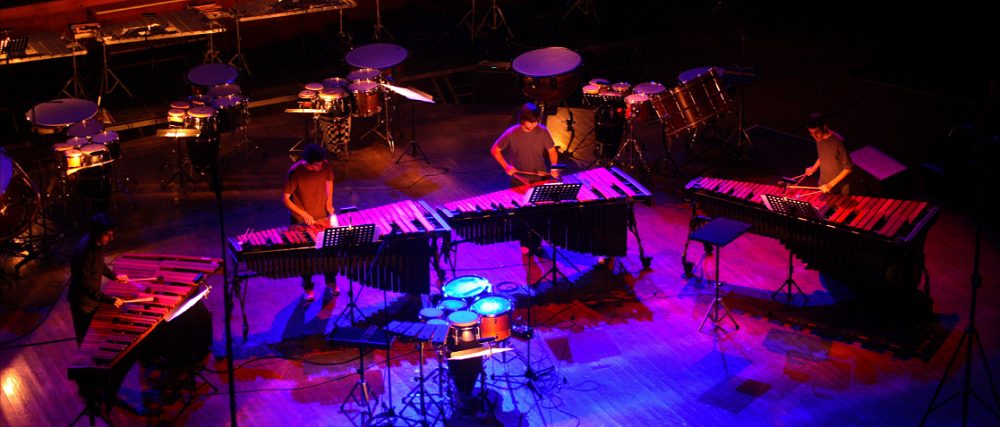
x=74, y=82
x=740, y=132
x=495, y=12
x=414, y=144
x=239, y=60
x=386, y=96
x=379, y=28
x=585, y=6
x=634, y=147
x=470, y=21
x=790, y=288
x=180, y=174
x=106, y=88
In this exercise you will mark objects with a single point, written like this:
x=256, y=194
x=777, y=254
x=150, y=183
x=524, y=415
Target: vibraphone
x=403, y=266
x=118, y=337
x=596, y=223
x=254, y=10
x=865, y=241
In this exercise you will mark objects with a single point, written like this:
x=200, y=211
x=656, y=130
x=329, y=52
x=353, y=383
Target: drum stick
x=157, y=278
x=798, y=187
x=147, y=299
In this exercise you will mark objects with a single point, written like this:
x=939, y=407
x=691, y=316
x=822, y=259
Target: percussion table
x=47, y=45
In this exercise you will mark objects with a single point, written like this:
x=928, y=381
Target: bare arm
x=812, y=169
x=836, y=180
x=554, y=159
x=286, y=199
x=329, y=197
x=495, y=151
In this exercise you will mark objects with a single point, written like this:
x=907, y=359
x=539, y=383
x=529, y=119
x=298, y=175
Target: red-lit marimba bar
x=865, y=242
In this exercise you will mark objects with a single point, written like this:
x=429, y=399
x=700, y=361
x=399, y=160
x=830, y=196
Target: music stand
x=372, y=338
x=338, y=237
x=719, y=232
x=798, y=209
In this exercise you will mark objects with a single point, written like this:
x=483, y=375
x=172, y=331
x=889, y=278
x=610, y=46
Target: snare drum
x=94, y=154
x=466, y=287
x=364, y=74
x=429, y=313
x=635, y=102
x=109, y=138
x=336, y=82
x=649, y=89
x=622, y=88
x=306, y=98
x=334, y=101
x=85, y=129
x=175, y=118
x=495, y=316
x=232, y=111
x=450, y=305
x=366, y=98
x=548, y=75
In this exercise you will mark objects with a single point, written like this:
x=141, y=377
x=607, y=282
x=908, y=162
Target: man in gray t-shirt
x=527, y=144
x=833, y=161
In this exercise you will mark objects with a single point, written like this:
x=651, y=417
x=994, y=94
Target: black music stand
x=553, y=193
x=719, y=232
x=798, y=209
x=352, y=235
x=371, y=338
x=93, y=410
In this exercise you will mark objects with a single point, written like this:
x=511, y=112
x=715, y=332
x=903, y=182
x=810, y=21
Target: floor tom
x=95, y=154
x=204, y=119
x=365, y=95
x=334, y=101
x=495, y=316
x=232, y=111
x=109, y=139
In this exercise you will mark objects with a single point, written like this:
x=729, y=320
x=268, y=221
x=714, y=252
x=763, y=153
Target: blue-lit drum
x=466, y=288
x=495, y=316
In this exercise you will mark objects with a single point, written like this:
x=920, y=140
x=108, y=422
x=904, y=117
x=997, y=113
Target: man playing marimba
x=527, y=143
x=308, y=193
x=834, y=163
x=86, y=268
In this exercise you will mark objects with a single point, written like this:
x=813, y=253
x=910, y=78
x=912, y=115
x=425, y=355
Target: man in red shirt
x=308, y=194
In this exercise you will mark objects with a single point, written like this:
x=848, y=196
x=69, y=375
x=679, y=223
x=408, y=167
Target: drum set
x=366, y=92
x=88, y=152
x=215, y=106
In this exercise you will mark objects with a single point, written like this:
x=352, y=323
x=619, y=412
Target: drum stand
x=180, y=174
x=244, y=144
x=585, y=6
x=378, y=25
x=106, y=88
x=387, y=122
x=790, y=288
x=420, y=391
x=634, y=147
x=74, y=81
x=496, y=12
x=470, y=21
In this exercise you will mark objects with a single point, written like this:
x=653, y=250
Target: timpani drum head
x=377, y=55
x=62, y=112
x=547, y=62
x=85, y=129
x=466, y=287
x=213, y=74
x=695, y=72
x=223, y=90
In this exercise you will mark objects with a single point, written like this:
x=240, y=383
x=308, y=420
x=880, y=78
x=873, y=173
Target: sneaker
x=309, y=296
x=334, y=289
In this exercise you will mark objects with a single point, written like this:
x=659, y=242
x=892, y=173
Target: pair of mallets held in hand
x=158, y=279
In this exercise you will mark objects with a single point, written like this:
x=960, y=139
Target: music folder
x=343, y=236
x=793, y=207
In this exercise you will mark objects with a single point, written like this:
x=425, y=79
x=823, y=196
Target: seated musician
x=527, y=144
x=86, y=268
x=834, y=162
x=308, y=194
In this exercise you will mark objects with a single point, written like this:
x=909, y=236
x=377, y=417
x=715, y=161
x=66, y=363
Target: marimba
x=596, y=223
x=254, y=10
x=403, y=266
x=118, y=337
x=864, y=242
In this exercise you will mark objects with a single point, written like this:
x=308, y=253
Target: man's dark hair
x=100, y=224
x=816, y=121
x=313, y=154
x=529, y=113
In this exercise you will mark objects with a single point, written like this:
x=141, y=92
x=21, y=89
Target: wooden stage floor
x=620, y=348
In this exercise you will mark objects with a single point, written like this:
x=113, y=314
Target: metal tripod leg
x=365, y=398
x=713, y=310
x=790, y=288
